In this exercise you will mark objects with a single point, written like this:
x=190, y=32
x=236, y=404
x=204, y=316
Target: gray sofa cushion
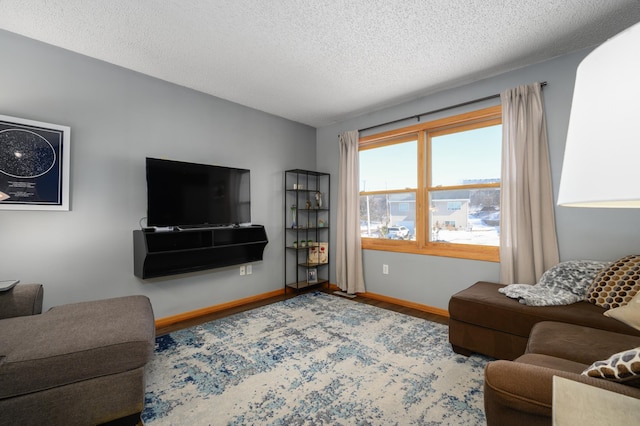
x=75, y=342
x=23, y=299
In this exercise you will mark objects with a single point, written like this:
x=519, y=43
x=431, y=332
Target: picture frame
x=34, y=165
x=312, y=275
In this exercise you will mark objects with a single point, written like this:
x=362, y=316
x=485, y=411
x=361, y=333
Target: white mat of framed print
x=34, y=165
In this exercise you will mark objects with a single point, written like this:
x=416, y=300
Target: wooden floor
x=221, y=314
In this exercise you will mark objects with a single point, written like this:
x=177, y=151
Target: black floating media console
x=157, y=254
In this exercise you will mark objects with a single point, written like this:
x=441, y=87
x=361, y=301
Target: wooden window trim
x=441, y=124
x=459, y=251
x=423, y=133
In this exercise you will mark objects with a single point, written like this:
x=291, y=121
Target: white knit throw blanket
x=566, y=283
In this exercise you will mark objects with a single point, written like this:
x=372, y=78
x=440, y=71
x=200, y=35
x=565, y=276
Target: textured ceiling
x=320, y=61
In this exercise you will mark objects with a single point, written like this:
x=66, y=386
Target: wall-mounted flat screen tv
x=191, y=195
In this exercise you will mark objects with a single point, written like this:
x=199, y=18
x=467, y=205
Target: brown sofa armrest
x=516, y=392
x=21, y=300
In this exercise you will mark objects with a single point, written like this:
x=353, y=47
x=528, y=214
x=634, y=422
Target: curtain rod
x=417, y=116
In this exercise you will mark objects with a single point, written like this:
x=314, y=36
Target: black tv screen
x=190, y=194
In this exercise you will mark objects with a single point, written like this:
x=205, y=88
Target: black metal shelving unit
x=306, y=223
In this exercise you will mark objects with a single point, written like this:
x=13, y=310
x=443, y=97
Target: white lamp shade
x=602, y=155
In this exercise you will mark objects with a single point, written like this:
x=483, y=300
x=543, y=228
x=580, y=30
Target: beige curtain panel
x=528, y=242
x=349, y=271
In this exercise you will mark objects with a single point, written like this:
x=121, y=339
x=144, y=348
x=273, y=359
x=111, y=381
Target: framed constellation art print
x=34, y=165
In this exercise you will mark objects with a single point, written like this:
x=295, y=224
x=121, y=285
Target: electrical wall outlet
x=243, y=270
x=249, y=270
x=385, y=269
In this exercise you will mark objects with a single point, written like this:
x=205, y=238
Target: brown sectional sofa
x=543, y=342
x=521, y=391
x=484, y=321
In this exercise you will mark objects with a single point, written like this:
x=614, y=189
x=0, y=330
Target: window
x=389, y=185
x=434, y=188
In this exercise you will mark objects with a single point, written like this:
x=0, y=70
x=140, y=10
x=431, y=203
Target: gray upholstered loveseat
x=76, y=364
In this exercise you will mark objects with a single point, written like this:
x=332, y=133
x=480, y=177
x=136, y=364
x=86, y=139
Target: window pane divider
x=389, y=191
x=470, y=186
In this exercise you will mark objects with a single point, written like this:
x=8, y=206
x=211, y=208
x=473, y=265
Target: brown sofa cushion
x=578, y=343
x=615, y=285
x=548, y=361
x=75, y=342
x=482, y=305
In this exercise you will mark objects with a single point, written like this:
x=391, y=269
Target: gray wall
x=601, y=234
x=117, y=118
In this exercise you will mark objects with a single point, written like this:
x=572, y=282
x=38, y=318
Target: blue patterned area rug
x=315, y=359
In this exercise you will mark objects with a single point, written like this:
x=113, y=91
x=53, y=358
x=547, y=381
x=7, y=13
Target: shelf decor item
x=312, y=275
x=319, y=253
x=293, y=216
